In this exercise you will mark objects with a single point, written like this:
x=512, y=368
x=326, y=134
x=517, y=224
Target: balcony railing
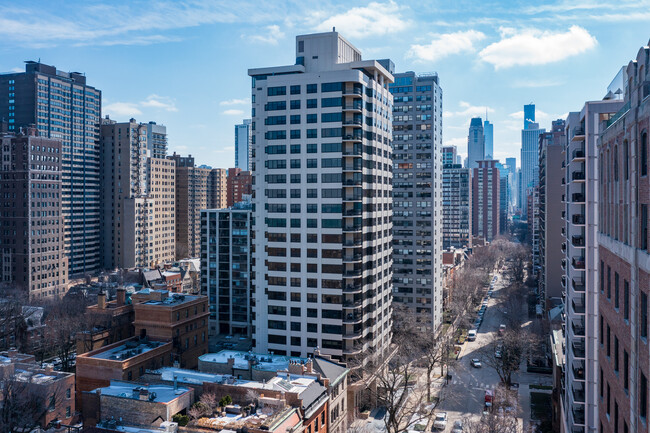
x=578, y=307
x=578, y=219
x=578, y=329
x=578, y=285
x=578, y=175
x=355, y=106
x=352, y=137
x=578, y=395
x=578, y=197
x=624, y=109
x=578, y=262
x=579, y=131
x=578, y=349
x=578, y=241
x=352, y=91
x=352, y=288
x=355, y=151
x=578, y=417
x=578, y=153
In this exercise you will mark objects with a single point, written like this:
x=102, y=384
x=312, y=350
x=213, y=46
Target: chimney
x=101, y=300
x=48, y=369
x=175, y=382
x=121, y=296
x=309, y=366
x=11, y=353
x=32, y=131
x=144, y=394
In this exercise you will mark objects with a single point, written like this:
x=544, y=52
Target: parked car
x=502, y=328
x=476, y=363
x=440, y=422
x=497, y=353
x=458, y=427
x=471, y=335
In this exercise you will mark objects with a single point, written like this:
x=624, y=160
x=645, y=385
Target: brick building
x=52, y=390
x=32, y=253
x=239, y=183
x=180, y=319
x=624, y=254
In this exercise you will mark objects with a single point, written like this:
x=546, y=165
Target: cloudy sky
x=184, y=63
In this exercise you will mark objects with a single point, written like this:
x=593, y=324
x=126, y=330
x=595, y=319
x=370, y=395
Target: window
x=626, y=300
x=295, y=134
x=312, y=103
x=609, y=344
x=275, y=135
x=609, y=399
x=616, y=291
x=331, y=102
x=643, y=313
x=644, y=227
x=275, y=106
x=276, y=120
x=312, y=163
x=295, y=104
x=312, y=88
x=295, y=193
x=331, y=87
x=277, y=339
x=312, y=133
x=331, y=117
x=312, y=147
x=311, y=178
x=609, y=282
x=295, y=90
x=312, y=118
x=602, y=384
x=276, y=91
x=644, y=154
x=295, y=163
x=311, y=192
x=643, y=396
x=295, y=148
x=331, y=147
x=295, y=119
x=616, y=366
x=626, y=371
x=602, y=277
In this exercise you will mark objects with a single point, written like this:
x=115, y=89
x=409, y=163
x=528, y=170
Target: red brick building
x=486, y=200
x=239, y=183
x=624, y=254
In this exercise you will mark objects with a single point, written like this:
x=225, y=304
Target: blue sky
x=184, y=63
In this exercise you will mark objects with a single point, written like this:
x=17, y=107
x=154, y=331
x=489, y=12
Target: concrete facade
x=417, y=196
x=456, y=206
x=32, y=229
x=335, y=164
x=240, y=184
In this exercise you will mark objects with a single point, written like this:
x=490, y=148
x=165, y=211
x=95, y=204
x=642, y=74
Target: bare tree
x=513, y=347
x=493, y=423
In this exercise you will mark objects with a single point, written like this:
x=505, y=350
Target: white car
x=476, y=363
x=458, y=427
x=440, y=423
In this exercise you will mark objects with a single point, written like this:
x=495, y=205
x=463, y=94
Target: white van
x=471, y=335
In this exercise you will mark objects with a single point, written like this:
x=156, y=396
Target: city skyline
x=201, y=109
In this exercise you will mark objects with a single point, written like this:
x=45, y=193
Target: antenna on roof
x=333, y=28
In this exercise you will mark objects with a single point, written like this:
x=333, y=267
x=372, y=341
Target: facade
x=240, y=184
x=504, y=197
x=582, y=394
x=46, y=390
x=138, y=217
x=551, y=178
x=243, y=134
x=486, y=196
x=322, y=200
x=157, y=140
x=227, y=268
x=218, y=188
x=63, y=107
x=180, y=319
x=456, y=206
x=529, y=155
x=32, y=248
x=449, y=155
x=417, y=196
x=475, y=143
x=488, y=134
x=624, y=255
x=511, y=165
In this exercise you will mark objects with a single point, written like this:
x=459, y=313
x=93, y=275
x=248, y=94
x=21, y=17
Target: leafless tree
x=493, y=423
x=513, y=346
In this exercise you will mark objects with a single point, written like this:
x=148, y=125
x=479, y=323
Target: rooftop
x=265, y=419
x=260, y=362
x=152, y=393
x=174, y=299
x=127, y=350
x=193, y=377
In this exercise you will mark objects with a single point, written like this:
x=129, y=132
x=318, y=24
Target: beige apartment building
x=197, y=188
x=138, y=203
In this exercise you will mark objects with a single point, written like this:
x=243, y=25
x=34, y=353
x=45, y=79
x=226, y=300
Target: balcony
x=352, y=258
x=564, y=281
x=579, y=133
x=352, y=318
x=578, y=219
x=577, y=197
x=353, y=123
x=578, y=262
x=352, y=212
x=352, y=335
x=563, y=246
x=354, y=151
x=578, y=306
x=352, y=228
x=352, y=273
x=578, y=328
x=578, y=175
x=353, y=242
x=578, y=154
x=352, y=167
x=578, y=371
x=578, y=241
x=578, y=349
x=352, y=137
x=355, y=350
x=578, y=394
x=356, y=107
x=352, y=197
x=578, y=285
x=352, y=288
x=352, y=182
x=564, y=264
x=352, y=91
x=578, y=416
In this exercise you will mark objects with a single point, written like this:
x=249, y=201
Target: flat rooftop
x=194, y=377
x=171, y=299
x=130, y=390
x=129, y=349
x=260, y=362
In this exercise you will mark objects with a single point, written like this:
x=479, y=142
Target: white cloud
x=533, y=83
x=273, y=35
x=121, y=109
x=366, y=21
x=539, y=115
x=468, y=110
x=445, y=45
x=17, y=69
x=536, y=47
x=235, y=101
x=160, y=102
x=233, y=112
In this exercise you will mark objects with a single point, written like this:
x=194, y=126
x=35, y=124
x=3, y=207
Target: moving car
x=440, y=422
x=476, y=363
x=458, y=427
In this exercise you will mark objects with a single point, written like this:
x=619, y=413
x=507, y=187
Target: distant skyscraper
x=32, y=257
x=459, y=160
x=488, y=132
x=64, y=107
x=529, y=155
x=323, y=202
x=239, y=184
x=157, y=140
x=449, y=155
x=511, y=166
x=456, y=206
x=475, y=143
x=417, y=195
x=486, y=196
x=243, y=144
x=529, y=115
